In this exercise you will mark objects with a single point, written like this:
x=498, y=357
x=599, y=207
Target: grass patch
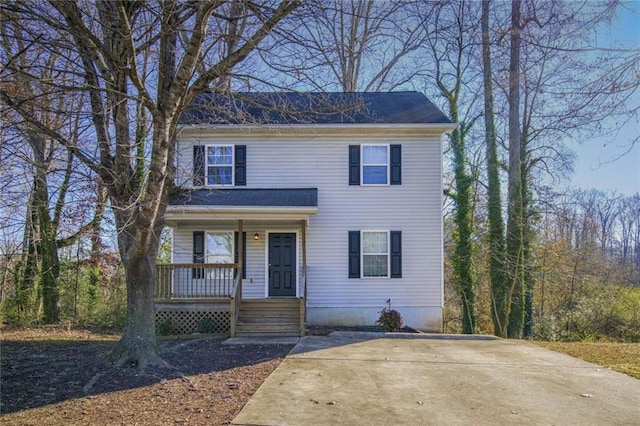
x=622, y=357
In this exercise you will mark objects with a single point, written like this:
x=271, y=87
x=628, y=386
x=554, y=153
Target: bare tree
x=137, y=60
x=52, y=172
x=497, y=262
x=351, y=45
x=453, y=35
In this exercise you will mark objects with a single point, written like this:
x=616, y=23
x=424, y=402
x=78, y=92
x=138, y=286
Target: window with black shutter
x=244, y=252
x=198, y=254
x=375, y=254
x=219, y=165
x=354, y=254
x=396, y=254
x=354, y=164
x=396, y=164
x=377, y=164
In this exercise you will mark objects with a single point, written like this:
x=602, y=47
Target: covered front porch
x=212, y=304
x=237, y=270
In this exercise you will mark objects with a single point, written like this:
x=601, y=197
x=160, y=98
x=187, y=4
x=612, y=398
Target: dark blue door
x=282, y=265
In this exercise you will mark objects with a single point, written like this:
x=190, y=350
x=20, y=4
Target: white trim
x=266, y=257
x=388, y=254
x=175, y=214
x=239, y=209
x=423, y=129
x=206, y=165
x=387, y=164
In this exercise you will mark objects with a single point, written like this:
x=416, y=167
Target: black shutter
x=241, y=165
x=244, y=252
x=354, y=254
x=354, y=164
x=396, y=254
x=198, y=165
x=198, y=253
x=396, y=164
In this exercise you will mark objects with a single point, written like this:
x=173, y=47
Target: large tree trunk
x=463, y=252
x=515, y=249
x=497, y=265
x=138, y=344
x=46, y=231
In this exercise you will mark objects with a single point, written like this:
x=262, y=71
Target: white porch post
x=240, y=249
x=303, y=299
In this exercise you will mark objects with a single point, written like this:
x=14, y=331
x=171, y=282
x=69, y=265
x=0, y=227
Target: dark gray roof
x=313, y=108
x=248, y=197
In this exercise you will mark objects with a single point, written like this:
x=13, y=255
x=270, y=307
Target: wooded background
x=91, y=93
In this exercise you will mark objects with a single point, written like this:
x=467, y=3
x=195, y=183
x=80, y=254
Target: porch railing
x=195, y=280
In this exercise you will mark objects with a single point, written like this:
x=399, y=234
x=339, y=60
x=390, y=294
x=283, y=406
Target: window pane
x=374, y=265
x=219, y=175
x=374, y=175
x=374, y=242
x=219, y=155
x=374, y=154
x=220, y=247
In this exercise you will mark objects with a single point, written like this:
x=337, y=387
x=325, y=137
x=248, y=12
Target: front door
x=282, y=264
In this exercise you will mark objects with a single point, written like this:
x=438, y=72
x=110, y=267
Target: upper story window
x=219, y=165
x=375, y=164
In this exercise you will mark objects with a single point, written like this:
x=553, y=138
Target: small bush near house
x=206, y=325
x=390, y=320
x=165, y=328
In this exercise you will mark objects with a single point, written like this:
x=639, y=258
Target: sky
x=603, y=163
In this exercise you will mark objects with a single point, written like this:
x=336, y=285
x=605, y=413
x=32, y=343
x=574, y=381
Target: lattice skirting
x=173, y=323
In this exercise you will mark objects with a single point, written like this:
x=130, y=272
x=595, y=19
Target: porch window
x=219, y=164
x=375, y=254
x=219, y=247
x=375, y=164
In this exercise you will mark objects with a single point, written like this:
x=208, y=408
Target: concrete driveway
x=362, y=379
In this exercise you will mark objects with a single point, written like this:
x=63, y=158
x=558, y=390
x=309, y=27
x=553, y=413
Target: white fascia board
x=281, y=129
x=175, y=213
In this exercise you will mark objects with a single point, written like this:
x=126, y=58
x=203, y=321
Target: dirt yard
x=59, y=377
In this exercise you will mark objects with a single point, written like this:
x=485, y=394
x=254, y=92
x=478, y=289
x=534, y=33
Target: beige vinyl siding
x=415, y=208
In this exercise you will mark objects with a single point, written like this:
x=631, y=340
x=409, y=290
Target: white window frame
x=388, y=253
x=387, y=165
x=207, y=165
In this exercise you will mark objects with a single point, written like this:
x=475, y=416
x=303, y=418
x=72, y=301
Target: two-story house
x=305, y=209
